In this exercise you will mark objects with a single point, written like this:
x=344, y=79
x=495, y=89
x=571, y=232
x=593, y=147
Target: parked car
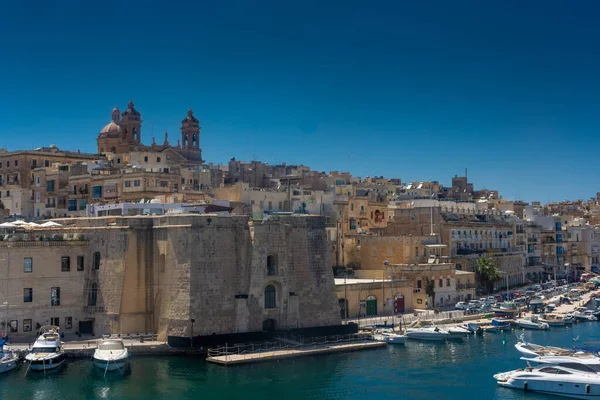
x=461, y=305
x=490, y=300
x=475, y=303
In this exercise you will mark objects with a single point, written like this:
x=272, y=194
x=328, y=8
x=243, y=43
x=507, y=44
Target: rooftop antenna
x=249, y=135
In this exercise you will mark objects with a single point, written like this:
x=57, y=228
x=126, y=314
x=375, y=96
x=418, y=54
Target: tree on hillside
x=487, y=273
x=430, y=290
x=1, y=205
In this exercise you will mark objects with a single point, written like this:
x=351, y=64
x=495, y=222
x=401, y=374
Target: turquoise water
x=419, y=370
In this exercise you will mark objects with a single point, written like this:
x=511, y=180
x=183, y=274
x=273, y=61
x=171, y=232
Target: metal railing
x=283, y=344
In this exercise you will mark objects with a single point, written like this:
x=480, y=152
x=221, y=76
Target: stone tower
x=190, y=132
x=131, y=125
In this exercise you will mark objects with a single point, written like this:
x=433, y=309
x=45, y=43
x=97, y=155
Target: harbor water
x=418, y=370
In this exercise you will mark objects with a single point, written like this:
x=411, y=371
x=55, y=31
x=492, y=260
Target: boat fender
x=525, y=386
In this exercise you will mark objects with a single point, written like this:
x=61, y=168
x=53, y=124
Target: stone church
x=123, y=134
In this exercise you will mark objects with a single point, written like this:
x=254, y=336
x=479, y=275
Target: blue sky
x=415, y=90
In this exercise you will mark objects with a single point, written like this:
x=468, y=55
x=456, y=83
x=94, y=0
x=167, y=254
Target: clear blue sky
x=416, y=90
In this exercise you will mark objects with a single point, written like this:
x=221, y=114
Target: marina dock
x=246, y=358
x=290, y=347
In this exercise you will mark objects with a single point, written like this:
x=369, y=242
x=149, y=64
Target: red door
x=399, y=304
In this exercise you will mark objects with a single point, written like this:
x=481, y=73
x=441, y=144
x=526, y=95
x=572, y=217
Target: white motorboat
x=432, y=333
x=8, y=360
x=111, y=355
x=542, y=352
x=583, y=315
x=47, y=352
x=389, y=336
x=568, y=376
x=457, y=332
x=556, y=320
x=532, y=323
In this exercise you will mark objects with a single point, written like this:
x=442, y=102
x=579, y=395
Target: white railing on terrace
x=405, y=319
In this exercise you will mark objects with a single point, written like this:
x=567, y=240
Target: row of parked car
x=484, y=302
x=545, y=291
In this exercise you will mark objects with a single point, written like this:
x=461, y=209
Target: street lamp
x=5, y=304
x=192, y=332
x=385, y=264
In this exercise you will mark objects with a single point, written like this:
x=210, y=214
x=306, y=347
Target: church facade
x=123, y=135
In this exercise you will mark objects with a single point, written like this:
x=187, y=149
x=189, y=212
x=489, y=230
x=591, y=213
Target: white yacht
x=8, y=361
x=532, y=323
x=47, y=352
x=567, y=376
x=427, y=333
x=111, y=355
x=389, y=336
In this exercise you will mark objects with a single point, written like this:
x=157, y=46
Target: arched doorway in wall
x=269, y=325
x=371, y=306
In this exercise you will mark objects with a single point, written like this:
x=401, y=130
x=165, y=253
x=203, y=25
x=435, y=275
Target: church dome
x=111, y=129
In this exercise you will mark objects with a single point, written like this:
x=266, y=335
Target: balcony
x=93, y=309
x=532, y=240
x=465, y=286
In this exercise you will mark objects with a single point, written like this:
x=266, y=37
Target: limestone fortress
x=177, y=275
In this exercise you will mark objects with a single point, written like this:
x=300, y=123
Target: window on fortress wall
x=28, y=264
x=46, y=163
x=27, y=295
x=65, y=264
x=55, y=296
x=96, y=264
x=272, y=265
x=93, y=299
x=270, y=297
x=80, y=261
x=27, y=325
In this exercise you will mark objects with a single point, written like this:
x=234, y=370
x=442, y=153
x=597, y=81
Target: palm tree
x=487, y=273
x=430, y=290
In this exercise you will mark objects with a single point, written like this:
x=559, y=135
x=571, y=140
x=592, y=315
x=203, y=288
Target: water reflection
x=419, y=370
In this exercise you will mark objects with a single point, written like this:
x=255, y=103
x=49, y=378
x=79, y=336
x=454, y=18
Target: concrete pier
x=246, y=358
